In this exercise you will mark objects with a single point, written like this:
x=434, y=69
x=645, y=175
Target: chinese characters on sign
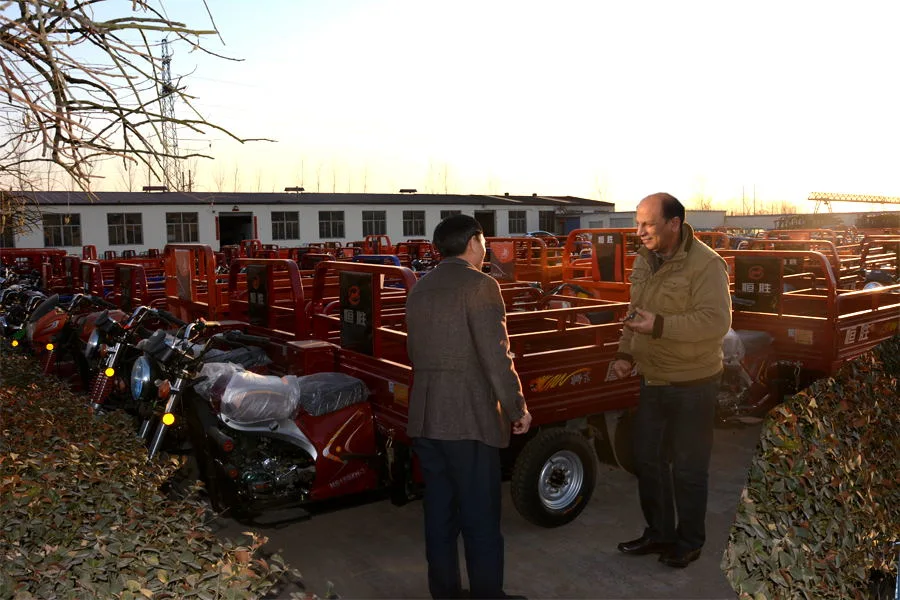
x=355, y=317
x=609, y=256
x=356, y=312
x=757, y=283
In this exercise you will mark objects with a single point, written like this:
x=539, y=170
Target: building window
x=374, y=222
x=413, y=223
x=181, y=228
x=547, y=221
x=517, y=221
x=331, y=224
x=285, y=225
x=125, y=228
x=62, y=230
x=449, y=213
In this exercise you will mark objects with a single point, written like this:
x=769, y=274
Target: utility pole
x=172, y=178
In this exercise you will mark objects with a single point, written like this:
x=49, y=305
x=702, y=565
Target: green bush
x=81, y=514
x=821, y=509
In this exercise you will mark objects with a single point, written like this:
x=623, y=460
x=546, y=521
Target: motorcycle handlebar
x=101, y=302
x=167, y=316
x=244, y=338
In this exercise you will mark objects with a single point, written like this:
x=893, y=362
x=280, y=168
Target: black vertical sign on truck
x=86, y=278
x=757, y=283
x=70, y=276
x=257, y=301
x=607, y=249
x=357, y=312
x=125, y=288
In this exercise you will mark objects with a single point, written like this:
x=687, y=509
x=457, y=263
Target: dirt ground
x=376, y=550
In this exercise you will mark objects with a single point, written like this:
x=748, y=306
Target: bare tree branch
x=76, y=90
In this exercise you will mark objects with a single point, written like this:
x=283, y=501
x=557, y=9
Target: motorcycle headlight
x=141, y=379
x=92, y=345
x=29, y=330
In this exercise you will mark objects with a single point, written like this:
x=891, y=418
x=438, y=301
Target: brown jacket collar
x=687, y=242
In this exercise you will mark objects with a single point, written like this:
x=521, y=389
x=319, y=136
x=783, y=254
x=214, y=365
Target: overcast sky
x=610, y=100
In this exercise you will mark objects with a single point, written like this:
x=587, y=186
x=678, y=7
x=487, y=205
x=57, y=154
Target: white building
x=144, y=220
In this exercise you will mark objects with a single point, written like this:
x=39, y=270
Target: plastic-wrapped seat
x=247, y=398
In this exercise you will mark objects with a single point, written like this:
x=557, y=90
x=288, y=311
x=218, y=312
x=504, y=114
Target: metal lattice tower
x=827, y=198
x=172, y=174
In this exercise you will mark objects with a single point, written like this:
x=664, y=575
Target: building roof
x=307, y=198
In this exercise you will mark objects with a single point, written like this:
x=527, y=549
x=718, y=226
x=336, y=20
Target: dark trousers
x=462, y=495
x=673, y=438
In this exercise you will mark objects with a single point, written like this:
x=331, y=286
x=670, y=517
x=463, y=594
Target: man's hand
x=522, y=425
x=642, y=322
x=621, y=368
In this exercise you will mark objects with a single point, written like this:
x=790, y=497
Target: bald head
x=668, y=205
x=659, y=218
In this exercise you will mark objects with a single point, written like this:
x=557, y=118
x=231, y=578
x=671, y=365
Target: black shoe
x=679, y=558
x=645, y=545
x=503, y=596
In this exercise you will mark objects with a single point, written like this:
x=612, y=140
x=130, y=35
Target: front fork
x=161, y=428
x=102, y=383
x=49, y=362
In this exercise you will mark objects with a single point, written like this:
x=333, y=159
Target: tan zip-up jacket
x=690, y=297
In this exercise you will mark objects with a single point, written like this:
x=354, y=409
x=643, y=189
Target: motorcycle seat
x=323, y=393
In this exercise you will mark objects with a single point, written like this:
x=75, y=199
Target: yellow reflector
x=109, y=372
x=15, y=343
x=50, y=347
x=168, y=419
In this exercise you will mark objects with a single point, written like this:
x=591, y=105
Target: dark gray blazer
x=464, y=384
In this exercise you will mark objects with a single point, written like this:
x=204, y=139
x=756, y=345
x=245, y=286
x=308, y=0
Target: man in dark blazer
x=465, y=400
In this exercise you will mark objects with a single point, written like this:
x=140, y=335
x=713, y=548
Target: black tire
x=623, y=441
x=221, y=491
x=553, y=477
x=181, y=484
x=614, y=438
x=217, y=489
x=602, y=438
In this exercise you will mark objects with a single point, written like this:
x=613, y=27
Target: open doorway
x=488, y=221
x=234, y=227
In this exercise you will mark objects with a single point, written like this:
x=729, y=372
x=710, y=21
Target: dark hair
x=452, y=235
x=671, y=207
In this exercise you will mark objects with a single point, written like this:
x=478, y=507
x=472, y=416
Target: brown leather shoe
x=679, y=558
x=645, y=545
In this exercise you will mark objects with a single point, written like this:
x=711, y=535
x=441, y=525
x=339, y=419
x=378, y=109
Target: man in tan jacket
x=465, y=400
x=680, y=312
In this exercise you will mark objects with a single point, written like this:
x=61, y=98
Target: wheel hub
x=561, y=480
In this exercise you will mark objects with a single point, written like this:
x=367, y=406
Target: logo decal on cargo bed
x=548, y=382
